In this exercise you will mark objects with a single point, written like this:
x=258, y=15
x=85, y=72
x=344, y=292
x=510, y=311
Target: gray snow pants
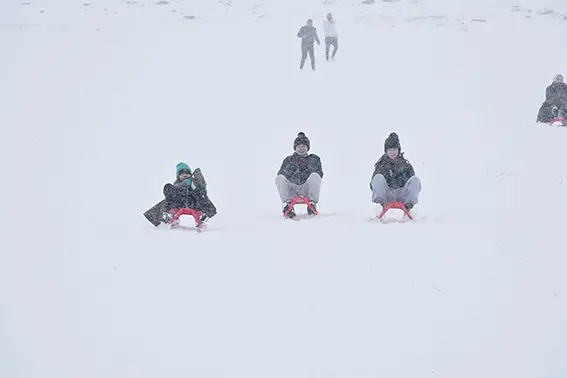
x=382, y=193
x=310, y=188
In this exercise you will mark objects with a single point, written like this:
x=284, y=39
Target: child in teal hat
x=188, y=191
x=183, y=173
x=182, y=167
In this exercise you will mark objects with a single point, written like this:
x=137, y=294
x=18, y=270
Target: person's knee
x=313, y=179
x=378, y=183
x=314, y=176
x=414, y=180
x=167, y=189
x=378, y=180
x=281, y=179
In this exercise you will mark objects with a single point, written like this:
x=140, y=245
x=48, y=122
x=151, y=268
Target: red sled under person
x=187, y=195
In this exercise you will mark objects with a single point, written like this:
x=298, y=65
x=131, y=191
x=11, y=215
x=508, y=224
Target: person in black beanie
x=394, y=178
x=300, y=175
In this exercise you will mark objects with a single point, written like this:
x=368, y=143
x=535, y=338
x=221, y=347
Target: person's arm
x=316, y=166
x=284, y=169
x=411, y=171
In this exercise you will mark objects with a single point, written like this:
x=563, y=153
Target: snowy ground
x=100, y=100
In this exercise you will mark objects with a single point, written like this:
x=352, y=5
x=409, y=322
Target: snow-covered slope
x=102, y=99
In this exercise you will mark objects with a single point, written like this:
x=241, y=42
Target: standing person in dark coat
x=300, y=176
x=308, y=35
x=555, y=104
x=188, y=191
x=394, y=178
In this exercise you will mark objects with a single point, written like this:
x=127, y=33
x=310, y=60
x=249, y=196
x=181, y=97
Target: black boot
x=291, y=213
x=311, y=208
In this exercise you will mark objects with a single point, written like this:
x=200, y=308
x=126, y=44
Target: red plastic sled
x=192, y=212
x=562, y=120
x=395, y=205
x=301, y=201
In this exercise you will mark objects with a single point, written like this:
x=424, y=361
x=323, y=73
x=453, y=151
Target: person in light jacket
x=331, y=35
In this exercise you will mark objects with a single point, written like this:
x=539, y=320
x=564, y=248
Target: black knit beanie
x=301, y=139
x=393, y=141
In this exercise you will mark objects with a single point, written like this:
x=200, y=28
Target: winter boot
x=168, y=216
x=309, y=208
x=291, y=213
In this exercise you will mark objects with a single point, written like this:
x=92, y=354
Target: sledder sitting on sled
x=188, y=191
x=394, y=178
x=300, y=176
x=555, y=104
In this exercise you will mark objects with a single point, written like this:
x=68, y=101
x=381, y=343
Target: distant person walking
x=331, y=35
x=308, y=35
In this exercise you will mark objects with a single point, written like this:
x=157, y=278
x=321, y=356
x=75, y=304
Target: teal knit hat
x=182, y=167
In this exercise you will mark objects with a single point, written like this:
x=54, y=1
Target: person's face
x=301, y=149
x=392, y=153
x=183, y=175
x=310, y=23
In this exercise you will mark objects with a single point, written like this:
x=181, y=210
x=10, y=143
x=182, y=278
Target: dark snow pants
x=176, y=198
x=307, y=48
x=334, y=41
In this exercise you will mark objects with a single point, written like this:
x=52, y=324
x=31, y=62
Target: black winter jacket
x=396, y=172
x=179, y=194
x=308, y=35
x=556, y=95
x=297, y=168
